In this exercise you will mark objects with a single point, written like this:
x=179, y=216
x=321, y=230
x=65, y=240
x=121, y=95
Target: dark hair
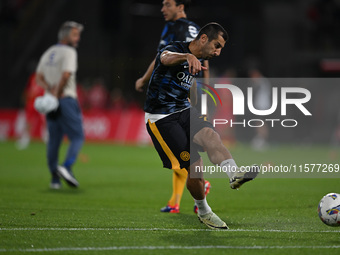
x=212, y=30
x=186, y=3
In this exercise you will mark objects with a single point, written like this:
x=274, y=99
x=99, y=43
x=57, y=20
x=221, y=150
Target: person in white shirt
x=56, y=73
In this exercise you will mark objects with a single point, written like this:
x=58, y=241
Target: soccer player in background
x=32, y=118
x=56, y=73
x=177, y=28
x=174, y=125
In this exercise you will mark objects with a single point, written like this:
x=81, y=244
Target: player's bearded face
x=213, y=48
x=74, y=37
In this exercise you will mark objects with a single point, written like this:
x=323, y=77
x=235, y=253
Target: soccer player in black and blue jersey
x=177, y=28
x=174, y=125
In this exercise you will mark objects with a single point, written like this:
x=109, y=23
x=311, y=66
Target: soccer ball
x=329, y=209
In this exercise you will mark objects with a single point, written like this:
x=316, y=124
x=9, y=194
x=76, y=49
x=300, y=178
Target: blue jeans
x=67, y=120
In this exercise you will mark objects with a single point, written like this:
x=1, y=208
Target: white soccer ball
x=329, y=209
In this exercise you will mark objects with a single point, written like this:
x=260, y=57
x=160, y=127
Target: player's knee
x=80, y=140
x=81, y=136
x=78, y=137
x=182, y=173
x=211, y=139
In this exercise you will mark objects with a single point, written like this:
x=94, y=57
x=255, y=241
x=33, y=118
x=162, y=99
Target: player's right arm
x=169, y=58
x=40, y=79
x=141, y=82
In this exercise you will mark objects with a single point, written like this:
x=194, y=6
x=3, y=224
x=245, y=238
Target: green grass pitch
x=116, y=208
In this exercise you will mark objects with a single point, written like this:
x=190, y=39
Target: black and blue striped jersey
x=169, y=86
x=179, y=30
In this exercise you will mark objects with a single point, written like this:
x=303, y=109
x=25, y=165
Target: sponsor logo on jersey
x=186, y=80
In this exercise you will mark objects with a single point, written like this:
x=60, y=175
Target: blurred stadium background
x=123, y=187
x=283, y=38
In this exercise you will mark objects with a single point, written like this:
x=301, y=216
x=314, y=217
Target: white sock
x=203, y=207
x=229, y=166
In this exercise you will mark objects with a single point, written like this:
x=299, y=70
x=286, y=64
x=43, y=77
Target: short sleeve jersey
x=56, y=60
x=169, y=86
x=179, y=30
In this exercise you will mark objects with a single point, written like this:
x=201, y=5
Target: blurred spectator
x=31, y=121
x=261, y=101
x=118, y=102
x=98, y=96
x=82, y=96
x=225, y=111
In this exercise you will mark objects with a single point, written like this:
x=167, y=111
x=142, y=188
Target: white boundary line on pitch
x=168, y=229
x=171, y=247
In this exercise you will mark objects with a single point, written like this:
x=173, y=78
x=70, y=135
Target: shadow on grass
x=64, y=190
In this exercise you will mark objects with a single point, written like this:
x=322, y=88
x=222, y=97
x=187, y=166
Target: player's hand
x=54, y=91
x=195, y=66
x=140, y=83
